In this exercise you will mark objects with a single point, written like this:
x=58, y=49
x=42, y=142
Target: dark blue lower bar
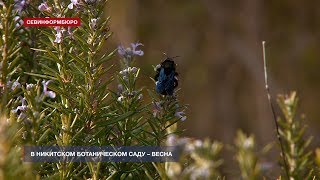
x=101, y=154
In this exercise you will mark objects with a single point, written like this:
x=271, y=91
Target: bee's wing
x=161, y=80
x=170, y=83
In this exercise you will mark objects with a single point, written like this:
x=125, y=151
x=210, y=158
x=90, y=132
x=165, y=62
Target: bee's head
x=168, y=64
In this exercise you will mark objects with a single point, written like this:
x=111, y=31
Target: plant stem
x=3, y=80
x=272, y=109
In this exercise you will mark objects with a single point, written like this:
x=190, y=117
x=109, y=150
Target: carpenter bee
x=166, y=77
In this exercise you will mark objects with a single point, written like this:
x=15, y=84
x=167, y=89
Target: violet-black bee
x=166, y=77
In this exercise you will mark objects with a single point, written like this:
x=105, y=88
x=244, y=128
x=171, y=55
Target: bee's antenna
x=175, y=57
x=165, y=54
x=170, y=57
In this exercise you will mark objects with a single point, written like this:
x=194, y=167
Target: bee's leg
x=156, y=77
x=175, y=83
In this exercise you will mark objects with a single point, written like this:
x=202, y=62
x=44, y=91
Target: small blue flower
x=50, y=94
x=157, y=108
x=133, y=69
x=70, y=32
x=93, y=23
x=44, y=7
x=137, y=52
x=120, y=88
x=73, y=3
x=58, y=34
x=23, y=106
x=90, y=1
x=15, y=85
x=120, y=98
x=19, y=5
x=128, y=70
x=181, y=115
x=124, y=72
x=18, y=20
x=128, y=53
x=29, y=86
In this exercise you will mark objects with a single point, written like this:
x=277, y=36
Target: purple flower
x=19, y=5
x=18, y=20
x=70, y=33
x=124, y=72
x=29, y=86
x=120, y=88
x=73, y=3
x=93, y=23
x=121, y=50
x=128, y=70
x=120, y=98
x=15, y=85
x=90, y=1
x=58, y=34
x=157, y=108
x=43, y=7
x=137, y=52
x=181, y=115
x=133, y=69
x=23, y=106
x=130, y=52
x=50, y=94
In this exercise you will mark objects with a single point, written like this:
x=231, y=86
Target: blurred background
x=221, y=65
